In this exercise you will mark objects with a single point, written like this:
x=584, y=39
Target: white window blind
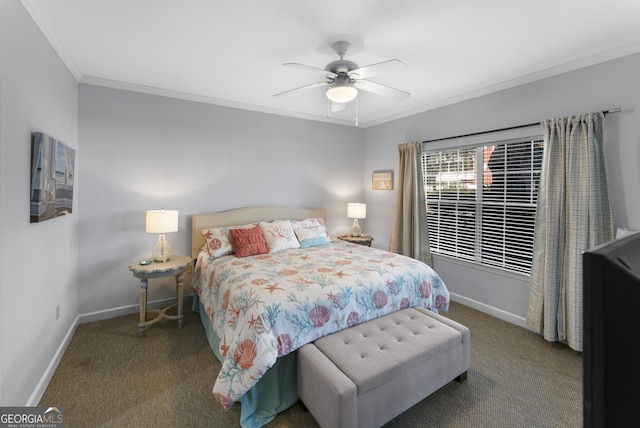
x=481, y=202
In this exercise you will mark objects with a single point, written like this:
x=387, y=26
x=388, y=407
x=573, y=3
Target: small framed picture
x=382, y=180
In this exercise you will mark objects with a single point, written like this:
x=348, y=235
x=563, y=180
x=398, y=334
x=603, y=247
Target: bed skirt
x=276, y=390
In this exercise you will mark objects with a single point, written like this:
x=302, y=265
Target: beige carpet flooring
x=109, y=377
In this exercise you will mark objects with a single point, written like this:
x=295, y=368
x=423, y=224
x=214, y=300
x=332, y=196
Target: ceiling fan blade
x=384, y=67
x=311, y=68
x=313, y=85
x=380, y=89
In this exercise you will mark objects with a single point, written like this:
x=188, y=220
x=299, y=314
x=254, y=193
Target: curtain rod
x=613, y=110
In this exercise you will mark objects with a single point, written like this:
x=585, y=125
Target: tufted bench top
x=377, y=351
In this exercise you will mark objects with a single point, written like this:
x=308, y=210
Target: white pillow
x=311, y=232
x=279, y=235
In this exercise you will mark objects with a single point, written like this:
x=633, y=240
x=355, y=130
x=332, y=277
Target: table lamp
x=356, y=211
x=162, y=221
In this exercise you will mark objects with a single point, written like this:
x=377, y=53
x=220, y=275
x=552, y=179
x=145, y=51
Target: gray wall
x=607, y=85
x=145, y=152
x=38, y=262
x=142, y=152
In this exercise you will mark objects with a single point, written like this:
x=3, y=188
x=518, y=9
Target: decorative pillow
x=248, y=242
x=216, y=241
x=279, y=235
x=311, y=232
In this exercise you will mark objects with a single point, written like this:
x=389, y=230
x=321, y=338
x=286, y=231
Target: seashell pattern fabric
x=265, y=306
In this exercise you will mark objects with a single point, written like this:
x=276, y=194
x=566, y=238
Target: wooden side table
x=175, y=267
x=362, y=240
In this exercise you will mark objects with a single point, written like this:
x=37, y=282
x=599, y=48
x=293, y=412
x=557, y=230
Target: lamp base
x=355, y=229
x=162, y=251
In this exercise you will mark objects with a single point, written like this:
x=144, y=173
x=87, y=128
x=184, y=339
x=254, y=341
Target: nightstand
x=175, y=267
x=362, y=240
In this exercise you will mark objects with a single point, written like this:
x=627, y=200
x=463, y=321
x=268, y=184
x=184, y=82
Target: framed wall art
x=52, y=176
x=382, y=180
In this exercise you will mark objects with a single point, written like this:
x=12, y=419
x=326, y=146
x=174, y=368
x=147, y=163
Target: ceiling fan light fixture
x=342, y=93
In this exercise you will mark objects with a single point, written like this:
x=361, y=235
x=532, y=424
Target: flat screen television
x=611, y=372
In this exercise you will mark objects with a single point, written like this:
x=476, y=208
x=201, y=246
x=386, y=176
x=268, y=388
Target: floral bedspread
x=265, y=306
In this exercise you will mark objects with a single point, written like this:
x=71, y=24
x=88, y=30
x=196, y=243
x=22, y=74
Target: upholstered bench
x=366, y=375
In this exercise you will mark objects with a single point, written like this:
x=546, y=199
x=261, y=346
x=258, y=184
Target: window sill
x=477, y=266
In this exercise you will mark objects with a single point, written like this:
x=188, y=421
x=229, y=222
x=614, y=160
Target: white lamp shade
x=355, y=210
x=340, y=93
x=162, y=221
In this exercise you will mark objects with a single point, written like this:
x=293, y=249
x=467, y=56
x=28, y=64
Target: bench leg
x=462, y=377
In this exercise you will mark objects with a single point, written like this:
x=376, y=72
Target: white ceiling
x=232, y=52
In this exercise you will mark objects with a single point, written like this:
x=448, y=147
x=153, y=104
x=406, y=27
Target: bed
x=259, y=303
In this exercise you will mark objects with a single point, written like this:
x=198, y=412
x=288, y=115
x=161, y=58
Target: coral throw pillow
x=249, y=242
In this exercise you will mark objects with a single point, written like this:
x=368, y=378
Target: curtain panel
x=573, y=214
x=409, y=234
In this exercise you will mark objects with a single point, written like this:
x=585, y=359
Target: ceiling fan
x=344, y=78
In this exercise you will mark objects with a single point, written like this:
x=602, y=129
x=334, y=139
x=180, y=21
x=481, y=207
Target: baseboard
x=128, y=310
x=122, y=310
x=490, y=310
x=41, y=387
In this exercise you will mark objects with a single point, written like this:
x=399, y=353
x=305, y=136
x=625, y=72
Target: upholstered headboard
x=240, y=216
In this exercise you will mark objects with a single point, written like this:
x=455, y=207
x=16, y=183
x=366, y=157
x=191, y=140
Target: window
x=484, y=212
